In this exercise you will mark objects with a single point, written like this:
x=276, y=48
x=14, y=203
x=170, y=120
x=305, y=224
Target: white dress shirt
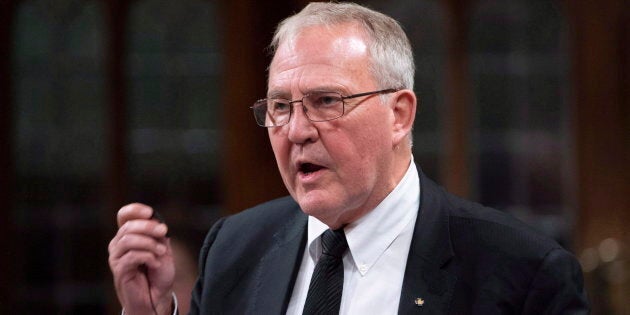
x=374, y=265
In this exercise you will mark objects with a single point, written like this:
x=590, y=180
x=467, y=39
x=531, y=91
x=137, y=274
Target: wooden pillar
x=116, y=178
x=600, y=37
x=250, y=174
x=454, y=167
x=7, y=165
x=601, y=119
x=116, y=122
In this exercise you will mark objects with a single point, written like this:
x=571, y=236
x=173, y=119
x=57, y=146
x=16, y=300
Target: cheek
x=365, y=140
x=280, y=149
x=355, y=151
x=361, y=149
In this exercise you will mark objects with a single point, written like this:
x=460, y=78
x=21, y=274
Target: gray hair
x=391, y=63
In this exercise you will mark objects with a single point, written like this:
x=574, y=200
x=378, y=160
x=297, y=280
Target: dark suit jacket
x=464, y=259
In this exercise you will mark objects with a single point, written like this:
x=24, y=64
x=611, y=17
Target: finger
x=129, y=263
x=138, y=235
x=147, y=227
x=137, y=242
x=133, y=211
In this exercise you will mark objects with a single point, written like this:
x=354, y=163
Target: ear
x=404, y=109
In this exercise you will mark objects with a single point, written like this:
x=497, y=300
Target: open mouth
x=309, y=168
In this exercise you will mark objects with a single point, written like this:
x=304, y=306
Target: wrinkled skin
x=338, y=170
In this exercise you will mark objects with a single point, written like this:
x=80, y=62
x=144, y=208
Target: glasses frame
x=263, y=102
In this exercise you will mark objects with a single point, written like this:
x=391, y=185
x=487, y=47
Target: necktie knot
x=334, y=243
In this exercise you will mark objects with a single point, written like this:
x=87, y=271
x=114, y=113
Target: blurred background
x=523, y=107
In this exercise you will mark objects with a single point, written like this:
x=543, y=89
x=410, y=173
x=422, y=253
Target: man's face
x=336, y=170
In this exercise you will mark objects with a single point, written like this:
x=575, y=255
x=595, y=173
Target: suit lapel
x=428, y=286
x=278, y=268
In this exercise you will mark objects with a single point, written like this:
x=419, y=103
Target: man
x=339, y=112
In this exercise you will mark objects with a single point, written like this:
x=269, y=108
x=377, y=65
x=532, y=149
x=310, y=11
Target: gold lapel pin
x=419, y=301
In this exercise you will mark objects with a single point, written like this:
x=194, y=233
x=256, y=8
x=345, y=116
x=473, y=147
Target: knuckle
x=123, y=229
x=110, y=246
x=112, y=263
x=124, y=240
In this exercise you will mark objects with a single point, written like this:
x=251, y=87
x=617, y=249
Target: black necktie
x=324, y=292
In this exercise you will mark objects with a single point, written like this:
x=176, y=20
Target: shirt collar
x=372, y=234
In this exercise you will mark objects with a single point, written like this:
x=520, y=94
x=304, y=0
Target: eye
x=325, y=99
x=279, y=105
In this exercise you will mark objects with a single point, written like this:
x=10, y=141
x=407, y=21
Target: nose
x=301, y=130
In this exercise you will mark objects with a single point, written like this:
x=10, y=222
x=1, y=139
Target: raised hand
x=141, y=261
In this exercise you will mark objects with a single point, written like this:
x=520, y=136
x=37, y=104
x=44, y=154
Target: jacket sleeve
x=558, y=286
x=203, y=255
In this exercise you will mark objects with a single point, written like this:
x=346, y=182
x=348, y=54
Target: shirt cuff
x=175, y=304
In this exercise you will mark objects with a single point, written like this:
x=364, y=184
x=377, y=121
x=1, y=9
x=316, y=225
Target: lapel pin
x=419, y=302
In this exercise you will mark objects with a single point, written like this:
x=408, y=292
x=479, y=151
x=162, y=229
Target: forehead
x=335, y=55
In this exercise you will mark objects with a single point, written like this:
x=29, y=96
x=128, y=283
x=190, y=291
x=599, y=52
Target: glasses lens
x=272, y=112
x=260, y=112
x=322, y=106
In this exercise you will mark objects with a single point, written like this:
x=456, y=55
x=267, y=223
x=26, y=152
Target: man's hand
x=141, y=261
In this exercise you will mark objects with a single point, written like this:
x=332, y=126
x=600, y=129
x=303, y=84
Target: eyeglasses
x=317, y=106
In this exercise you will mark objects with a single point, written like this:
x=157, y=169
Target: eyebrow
x=278, y=94
x=287, y=96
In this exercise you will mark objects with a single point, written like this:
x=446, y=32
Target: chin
x=314, y=206
x=311, y=208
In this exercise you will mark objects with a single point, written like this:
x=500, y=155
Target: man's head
x=339, y=169
x=391, y=57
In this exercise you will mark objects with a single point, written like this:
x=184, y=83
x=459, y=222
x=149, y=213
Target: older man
x=364, y=231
